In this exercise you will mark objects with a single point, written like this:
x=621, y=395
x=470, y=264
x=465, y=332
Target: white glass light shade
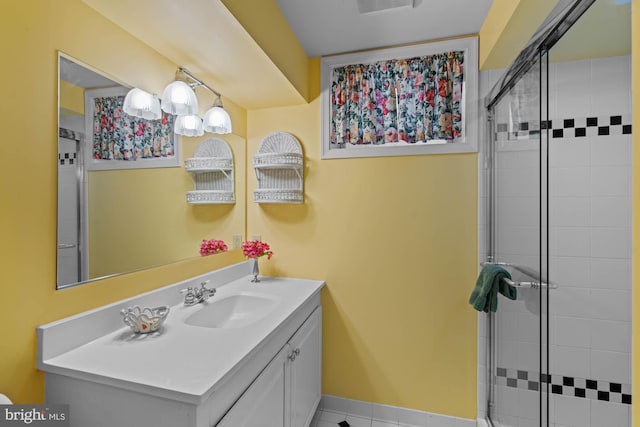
x=217, y=120
x=178, y=98
x=138, y=103
x=189, y=126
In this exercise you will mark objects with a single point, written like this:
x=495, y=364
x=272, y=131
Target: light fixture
x=216, y=119
x=188, y=126
x=180, y=99
x=138, y=103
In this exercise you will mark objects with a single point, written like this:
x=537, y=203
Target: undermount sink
x=234, y=311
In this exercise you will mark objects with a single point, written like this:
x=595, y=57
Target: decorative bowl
x=144, y=320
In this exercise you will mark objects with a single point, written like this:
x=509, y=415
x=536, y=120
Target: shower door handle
x=533, y=285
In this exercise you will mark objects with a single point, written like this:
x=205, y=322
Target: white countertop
x=186, y=361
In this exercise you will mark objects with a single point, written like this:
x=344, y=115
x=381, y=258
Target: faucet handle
x=190, y=296
x=203, y=287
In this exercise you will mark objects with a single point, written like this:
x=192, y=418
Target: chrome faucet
x=195, y=296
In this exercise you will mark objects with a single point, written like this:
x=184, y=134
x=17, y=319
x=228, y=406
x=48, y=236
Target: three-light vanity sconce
x=179, y=98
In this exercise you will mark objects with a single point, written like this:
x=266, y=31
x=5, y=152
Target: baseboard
x=394, y=414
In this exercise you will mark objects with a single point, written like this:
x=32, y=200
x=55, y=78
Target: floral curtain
x=411, y=100
x=118, y=136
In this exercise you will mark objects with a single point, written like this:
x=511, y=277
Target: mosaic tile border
x=568, y=386
x=67, y=158
x=70, y=134
x=576, y=127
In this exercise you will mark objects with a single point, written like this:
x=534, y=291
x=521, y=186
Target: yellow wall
x=635, y=84
x=508, y=27
x=266, y=24
x=395, y=240
x=71, y=98
x=140, y=218
x=30, y=38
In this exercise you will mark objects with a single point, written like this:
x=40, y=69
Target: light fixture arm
x=196, y=82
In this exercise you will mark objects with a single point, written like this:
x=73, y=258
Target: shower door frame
x=539, y=276
x=535, y=52
x=78, y=189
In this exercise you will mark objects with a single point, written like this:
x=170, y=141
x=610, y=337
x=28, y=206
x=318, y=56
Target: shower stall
x=556, y=213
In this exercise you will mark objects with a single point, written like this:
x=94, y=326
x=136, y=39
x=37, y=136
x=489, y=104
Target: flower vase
x=255, y=269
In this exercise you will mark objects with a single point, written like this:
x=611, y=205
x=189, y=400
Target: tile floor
x=327, y=418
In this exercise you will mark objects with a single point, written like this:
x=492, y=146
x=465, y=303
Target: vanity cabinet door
x=305, y=368
x=263, y=404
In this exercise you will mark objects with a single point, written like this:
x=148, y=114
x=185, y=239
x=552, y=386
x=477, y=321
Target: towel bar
x=524, y=270
x=533, y=285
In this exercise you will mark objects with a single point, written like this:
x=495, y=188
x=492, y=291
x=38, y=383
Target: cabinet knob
x=295, y=353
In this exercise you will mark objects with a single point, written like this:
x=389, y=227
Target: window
x=417, y=99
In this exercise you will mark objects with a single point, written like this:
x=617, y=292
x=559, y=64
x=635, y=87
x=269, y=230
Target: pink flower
x=256, y=249
x=212, y=246
x=457, y=93
x=390, y=135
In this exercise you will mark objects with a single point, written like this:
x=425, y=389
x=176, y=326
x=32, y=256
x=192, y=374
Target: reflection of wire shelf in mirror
x=279, y=169
x=211, y=169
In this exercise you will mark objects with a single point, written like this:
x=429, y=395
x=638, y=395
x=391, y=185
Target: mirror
x=118, y=220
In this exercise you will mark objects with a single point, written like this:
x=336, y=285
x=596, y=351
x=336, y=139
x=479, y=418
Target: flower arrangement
x=212, y=246
x=256, y=249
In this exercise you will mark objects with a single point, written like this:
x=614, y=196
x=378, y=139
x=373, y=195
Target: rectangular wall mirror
x=122, y=220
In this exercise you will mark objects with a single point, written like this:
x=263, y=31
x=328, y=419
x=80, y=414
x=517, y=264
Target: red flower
x=430, y=96
x=212, y=246
x=256, y=248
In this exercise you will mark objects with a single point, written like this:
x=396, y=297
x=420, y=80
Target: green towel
x=484, y=296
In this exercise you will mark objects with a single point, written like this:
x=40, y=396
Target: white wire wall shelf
x=279, y=167
x=211, y=169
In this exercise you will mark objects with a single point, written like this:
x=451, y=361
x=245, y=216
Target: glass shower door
x=518, y=356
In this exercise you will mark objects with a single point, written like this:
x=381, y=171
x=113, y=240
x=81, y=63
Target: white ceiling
x=81, y=76
x=326, y=27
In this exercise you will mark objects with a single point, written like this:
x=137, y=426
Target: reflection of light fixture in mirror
x=179, y=98
x=189, y=125
x=180, y=95
x=217, y=120
x=138, y=103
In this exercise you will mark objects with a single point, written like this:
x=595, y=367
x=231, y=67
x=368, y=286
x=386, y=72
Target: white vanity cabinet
x=287, y=392
x=305, y=370
x=266, y=373
x=265, y=402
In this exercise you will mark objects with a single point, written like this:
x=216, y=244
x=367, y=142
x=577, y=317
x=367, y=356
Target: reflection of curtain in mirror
x=118, y=136
x=411, y=100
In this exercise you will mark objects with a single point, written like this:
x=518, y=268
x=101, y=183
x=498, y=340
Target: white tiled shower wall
x=589, y=246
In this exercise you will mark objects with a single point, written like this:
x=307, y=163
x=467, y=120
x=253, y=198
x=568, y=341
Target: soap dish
x=144, y=320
